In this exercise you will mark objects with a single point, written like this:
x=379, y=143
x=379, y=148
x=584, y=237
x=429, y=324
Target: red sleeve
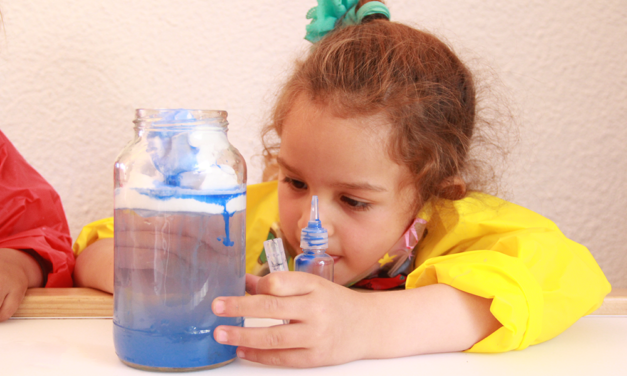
x=32, y=217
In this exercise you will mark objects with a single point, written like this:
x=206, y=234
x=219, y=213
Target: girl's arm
x=94, y=266
x=436, y=318
x=32, y=219
x=332, y=324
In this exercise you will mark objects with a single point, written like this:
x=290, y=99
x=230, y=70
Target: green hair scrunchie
x=328, y=13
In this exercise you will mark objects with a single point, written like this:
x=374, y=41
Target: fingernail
x=218, y=307
x=241, y=354
x=222, y=337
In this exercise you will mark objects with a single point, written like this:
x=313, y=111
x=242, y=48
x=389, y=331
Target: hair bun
x=333, y=14
x=366, y=11
x=372, y=17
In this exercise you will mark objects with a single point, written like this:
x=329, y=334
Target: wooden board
x=615, y=303
x=65, y=302
x=86, y=302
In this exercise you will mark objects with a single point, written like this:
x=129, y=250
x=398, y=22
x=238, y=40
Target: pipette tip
x=314, y=215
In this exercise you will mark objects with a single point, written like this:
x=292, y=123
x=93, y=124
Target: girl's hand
x=331, y=324
x=327, y=321
x=18, y=272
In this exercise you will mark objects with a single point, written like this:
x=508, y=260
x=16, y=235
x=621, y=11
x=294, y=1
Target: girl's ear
x=452, y=188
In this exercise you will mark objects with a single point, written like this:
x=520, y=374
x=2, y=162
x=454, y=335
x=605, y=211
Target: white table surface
x=595, y=345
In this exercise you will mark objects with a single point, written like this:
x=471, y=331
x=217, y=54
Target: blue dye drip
x=165, y=194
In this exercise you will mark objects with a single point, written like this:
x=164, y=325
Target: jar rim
x=167, y=117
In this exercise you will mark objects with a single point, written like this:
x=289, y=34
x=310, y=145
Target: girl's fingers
x=280, y=295
x=289, y=283
x=251, y=283
x=3, y=309
x=9, y=304
x=259, y=306
x=274, y=337
x=296, y=358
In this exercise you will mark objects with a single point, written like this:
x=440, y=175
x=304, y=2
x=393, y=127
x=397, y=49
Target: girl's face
x=365, y=199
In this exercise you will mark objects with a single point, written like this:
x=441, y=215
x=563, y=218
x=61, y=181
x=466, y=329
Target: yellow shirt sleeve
x=262, y=210
x=100, y=229
x=540, y=282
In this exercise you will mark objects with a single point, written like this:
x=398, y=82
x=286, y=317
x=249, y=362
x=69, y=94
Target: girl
x=377, y=122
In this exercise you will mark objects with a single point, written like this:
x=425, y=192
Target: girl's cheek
x=288, y=219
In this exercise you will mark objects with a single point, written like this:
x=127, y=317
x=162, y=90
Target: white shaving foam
x=129, y=198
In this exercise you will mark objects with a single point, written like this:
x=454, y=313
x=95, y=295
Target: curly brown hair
x=426, y=92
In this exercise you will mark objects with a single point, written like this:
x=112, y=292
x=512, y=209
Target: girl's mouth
x=335, y=258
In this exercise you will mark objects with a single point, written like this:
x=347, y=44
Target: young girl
x=377, y=122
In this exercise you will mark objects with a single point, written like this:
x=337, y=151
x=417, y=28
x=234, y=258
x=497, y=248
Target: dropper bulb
x=313, y=216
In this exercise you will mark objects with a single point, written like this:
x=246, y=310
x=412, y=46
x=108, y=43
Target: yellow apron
x=540, y=281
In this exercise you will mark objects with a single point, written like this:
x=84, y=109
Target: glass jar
x=180, y=224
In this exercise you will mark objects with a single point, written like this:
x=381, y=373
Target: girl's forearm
x=25, y=263
x=430, y=319
x=94, y=266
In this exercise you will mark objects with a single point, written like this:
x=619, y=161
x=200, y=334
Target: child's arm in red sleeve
x=32, y=218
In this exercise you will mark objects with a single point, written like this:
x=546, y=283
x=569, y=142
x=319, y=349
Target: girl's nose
x=304, y=218
x=325, y=208
x=327, y=224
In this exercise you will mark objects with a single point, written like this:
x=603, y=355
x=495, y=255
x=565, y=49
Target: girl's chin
x=341, y=276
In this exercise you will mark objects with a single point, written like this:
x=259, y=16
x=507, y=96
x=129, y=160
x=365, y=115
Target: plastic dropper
x=275, y=253
x=314, y=239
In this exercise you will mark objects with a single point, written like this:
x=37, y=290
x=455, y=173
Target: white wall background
x=73, y=71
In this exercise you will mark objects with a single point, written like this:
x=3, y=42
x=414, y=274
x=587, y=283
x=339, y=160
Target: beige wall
x=73, y=71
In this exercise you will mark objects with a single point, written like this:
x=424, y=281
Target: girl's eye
x=354, y=204
x=296, y=184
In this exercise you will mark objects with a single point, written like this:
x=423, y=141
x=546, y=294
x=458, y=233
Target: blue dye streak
x=165, y=194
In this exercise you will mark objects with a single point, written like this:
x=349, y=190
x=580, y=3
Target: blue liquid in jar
x=169, y=267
